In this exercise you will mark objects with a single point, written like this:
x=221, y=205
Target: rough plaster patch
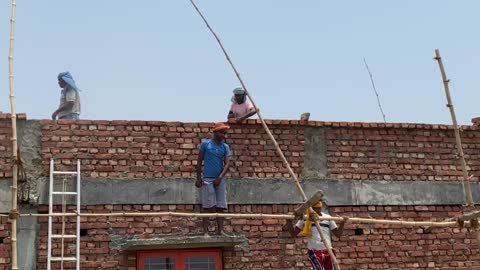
x=29, y=144
x=315, y=162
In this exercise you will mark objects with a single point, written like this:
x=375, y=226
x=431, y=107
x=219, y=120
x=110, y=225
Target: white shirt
x=69, y=94
x=315, y=242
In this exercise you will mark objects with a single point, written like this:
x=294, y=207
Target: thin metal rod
x=375, y=91
x=466, y=180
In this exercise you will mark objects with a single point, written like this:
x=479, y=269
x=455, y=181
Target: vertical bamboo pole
x=267, y=130
x=14, y=210
x=466, y=180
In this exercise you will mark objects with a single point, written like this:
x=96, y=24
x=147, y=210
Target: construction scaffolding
x=467, y=220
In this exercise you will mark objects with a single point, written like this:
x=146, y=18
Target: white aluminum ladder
x=63, y=236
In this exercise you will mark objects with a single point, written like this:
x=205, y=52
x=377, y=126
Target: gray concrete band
x=252, y=191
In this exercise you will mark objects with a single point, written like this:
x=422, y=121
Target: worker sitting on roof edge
x=241, y=108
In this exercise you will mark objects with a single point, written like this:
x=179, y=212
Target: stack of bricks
x=6, y=143
x=355, y=151
x=139, y=149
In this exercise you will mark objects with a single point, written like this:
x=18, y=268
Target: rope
x=14, y=214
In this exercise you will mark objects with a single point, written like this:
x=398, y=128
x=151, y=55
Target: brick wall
x=391, y=247
x=379, y=247
x=4, y=243
x=268, y=244
x=6, y=143
x=139, y=149
x=400, y=152
x=5, y=146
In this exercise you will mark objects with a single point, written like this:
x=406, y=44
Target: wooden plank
x=312, y=201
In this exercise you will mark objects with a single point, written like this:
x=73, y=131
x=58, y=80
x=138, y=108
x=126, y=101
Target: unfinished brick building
x=390, y=171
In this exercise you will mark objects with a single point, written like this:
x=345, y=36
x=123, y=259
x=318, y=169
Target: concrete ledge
x=272, y=191
x=5, y=195
x=177, y=242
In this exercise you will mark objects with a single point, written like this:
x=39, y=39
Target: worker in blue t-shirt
x=214, y=158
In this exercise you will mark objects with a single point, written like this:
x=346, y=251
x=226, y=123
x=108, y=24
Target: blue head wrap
x=68, y=79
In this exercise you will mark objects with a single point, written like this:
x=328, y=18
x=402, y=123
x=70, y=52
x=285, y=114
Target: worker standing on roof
x=241, y=108
x=214, y=157
x=317, y=251
x=69, y=107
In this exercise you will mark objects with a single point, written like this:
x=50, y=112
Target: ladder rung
x=60, y=172
x=64, y=236
x=66, y=193
x=58, y=259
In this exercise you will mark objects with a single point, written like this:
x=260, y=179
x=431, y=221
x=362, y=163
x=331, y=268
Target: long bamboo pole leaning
x=466, y=180
x=267, y=130
x=277, y=147
x=14, y=212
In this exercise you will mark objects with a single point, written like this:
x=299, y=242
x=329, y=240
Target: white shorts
x=213, y=196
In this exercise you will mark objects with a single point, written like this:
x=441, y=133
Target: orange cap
x=219, y=126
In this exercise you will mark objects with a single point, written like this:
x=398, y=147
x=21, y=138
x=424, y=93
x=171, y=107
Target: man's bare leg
x=206, y=220
x=220, y=229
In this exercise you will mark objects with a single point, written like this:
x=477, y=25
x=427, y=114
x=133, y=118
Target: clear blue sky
x=156, y=60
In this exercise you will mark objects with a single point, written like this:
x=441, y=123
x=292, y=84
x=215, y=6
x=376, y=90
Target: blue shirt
x=213, y=157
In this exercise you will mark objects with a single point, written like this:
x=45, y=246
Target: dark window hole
x=83, y=232
x=358, y=231
x=426, y=231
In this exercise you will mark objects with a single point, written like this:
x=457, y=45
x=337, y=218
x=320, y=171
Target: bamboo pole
x=277, y=147
x=260, y=216
x=466, y=180
x=14, y=187
x=469, y=216
x=324, y=241
x=267, y=130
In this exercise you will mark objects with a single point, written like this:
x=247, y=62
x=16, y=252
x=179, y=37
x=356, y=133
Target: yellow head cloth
x=319, y=204
x=307, y=229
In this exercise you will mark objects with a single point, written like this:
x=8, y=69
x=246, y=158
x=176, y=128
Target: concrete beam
x=123, y=242
x=272, y=191
x=5, y=195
